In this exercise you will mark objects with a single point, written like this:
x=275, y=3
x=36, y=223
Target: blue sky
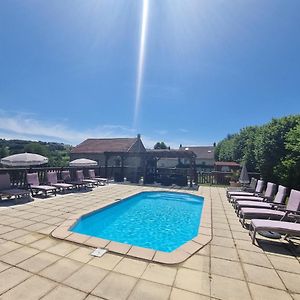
x=204, y=68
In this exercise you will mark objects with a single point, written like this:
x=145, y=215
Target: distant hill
x=57, y=153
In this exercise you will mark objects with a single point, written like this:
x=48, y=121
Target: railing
x=130, y=173
x=222, y=178
x=133, y=174
x=18, y=175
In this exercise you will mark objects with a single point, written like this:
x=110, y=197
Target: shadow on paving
x=14, y=202
x=23, y=200
x=288, y=248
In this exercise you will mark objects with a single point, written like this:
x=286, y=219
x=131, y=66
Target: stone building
x=205, y=157
x=96, y=149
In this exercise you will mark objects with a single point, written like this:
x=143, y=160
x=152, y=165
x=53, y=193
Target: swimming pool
x=156, y=220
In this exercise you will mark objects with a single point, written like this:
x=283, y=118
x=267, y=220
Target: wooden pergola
x=151, y=155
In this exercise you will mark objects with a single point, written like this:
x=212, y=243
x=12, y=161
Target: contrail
x=141, y=61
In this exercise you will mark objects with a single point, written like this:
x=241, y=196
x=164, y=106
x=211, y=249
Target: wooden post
x=191, y=172
x=122, y=167
x=155, y=168
x=99, y=168
x=195, y=172
x=144, y=169
x=106, y=164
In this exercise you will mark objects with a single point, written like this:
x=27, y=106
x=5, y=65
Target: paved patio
x=35, y=266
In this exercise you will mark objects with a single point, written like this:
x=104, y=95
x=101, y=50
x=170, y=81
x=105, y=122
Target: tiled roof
x=105, y=145
x=170, y=153
x=202, y=152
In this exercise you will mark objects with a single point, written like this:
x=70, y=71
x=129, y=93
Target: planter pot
x=234, y=183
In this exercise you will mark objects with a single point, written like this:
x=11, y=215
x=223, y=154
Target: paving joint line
x=240, y=261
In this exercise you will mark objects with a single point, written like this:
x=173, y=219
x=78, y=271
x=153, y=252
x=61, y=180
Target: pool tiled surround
x=179, y=255
x=34, y=265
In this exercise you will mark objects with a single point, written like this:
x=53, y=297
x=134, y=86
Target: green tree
x=57, y=153
x=288, y=170
x=160, y=145
x=36, y=147
x=244, y=147
x=4, y=151
x=224, y=149
x=270, y=147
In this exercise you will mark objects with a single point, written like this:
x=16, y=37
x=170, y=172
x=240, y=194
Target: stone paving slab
x=33, y=265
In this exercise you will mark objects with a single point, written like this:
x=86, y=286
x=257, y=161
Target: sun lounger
x=248, y=188
x=279, y=199
x=7, y=191
x=35, y=186
x=258, y=190
x=80, y=177
x=99, y=179
x=280, y=212
x=52, y=180
x=287, y=228
x=66, y=177
x=267, y=196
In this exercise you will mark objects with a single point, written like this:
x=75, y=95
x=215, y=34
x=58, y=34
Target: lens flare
x=141, y=61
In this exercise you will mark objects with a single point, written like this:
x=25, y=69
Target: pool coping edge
x=177, y=256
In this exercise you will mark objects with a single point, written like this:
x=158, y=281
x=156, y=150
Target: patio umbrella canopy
x=83, y=162
x=24, y=160
x=244, y=177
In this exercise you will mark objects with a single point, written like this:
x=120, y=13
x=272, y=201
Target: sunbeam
x=141, y=61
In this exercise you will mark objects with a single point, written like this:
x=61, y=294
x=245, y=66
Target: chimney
x=180, y=146
x=138, y=136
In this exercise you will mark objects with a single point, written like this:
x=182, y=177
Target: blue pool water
x=156, y=220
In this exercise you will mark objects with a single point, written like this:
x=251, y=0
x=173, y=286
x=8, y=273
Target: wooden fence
x=222, y=178
x=18, y=175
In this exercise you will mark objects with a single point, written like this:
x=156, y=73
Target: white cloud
x=183, y=130
x=20, y=126
x=161, y=132
x=26, y=126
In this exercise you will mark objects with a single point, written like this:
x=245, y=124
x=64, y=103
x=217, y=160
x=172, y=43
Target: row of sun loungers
x=7, y=191
x=268, y=210
x=245, y=188
x=51, y=186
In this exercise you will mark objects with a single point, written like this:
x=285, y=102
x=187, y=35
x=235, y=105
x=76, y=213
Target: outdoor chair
x=279, y=199
x=268, y=195
x=35, y=186
x=66, y=177
x=101, y=180
x=281, y=227
x=279, y=212
x=52, y=180
x=246, y=188
x=7, y=191
x=258, y=190
x=80, y=177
